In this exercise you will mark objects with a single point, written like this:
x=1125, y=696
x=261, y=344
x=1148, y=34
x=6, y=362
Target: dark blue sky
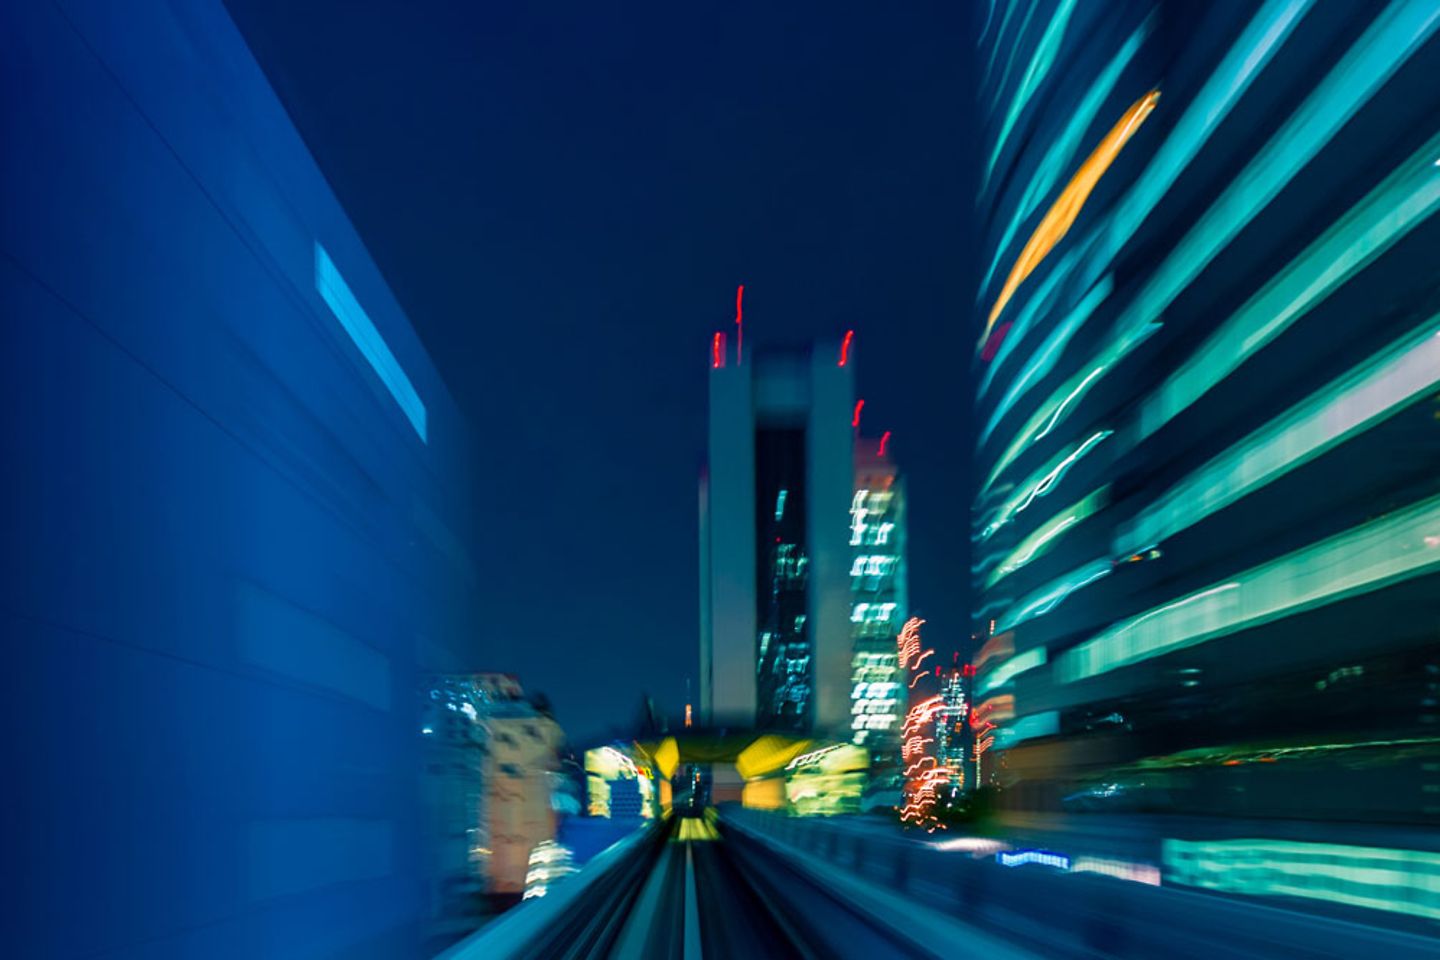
x=564, y=205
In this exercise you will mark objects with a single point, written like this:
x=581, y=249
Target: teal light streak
x=1263, y=36
x=1041, y=482
x=1039, y=302
x=1045, y=358
x=1062, y=152
x=1038, y=542
x=1053, y=410
x=1391, y=39
x=1047, y=598
x=1394, y=36
x=1010, y=669
x=1357, y=401
x=1376, y=878
x=1040, y=64
x=1000, y=43
x=1409, y=196
x=1400, y=546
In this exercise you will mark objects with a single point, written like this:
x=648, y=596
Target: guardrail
x=1042, y=903
x=589, y=906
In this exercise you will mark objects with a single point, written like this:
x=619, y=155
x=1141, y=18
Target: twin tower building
x=802, y=537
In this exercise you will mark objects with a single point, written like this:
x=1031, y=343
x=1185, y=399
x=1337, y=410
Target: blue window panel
x=357, y=323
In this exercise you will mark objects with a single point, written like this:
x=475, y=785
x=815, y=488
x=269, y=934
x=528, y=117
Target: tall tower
x=878, y=598
x=775, y=555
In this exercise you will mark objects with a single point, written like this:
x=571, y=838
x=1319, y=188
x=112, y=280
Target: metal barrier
x=589, y=906
x=1063, y=907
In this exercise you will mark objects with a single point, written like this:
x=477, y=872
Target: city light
x=1172, y=511
x=1061, y=215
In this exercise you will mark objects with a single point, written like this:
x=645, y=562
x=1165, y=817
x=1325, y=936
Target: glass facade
x=783, y=667
x=1206, y=531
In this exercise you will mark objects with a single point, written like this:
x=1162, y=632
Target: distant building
x=878, y=603
x=620, y=785
x=775, y=644
x=550, y=863
x=951, y=728
x=491, y=760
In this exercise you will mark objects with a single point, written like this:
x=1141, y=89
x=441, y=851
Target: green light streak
x=1007, y=671
x=1040, y=65
x=1401, y=546
x=1409, y=196
x=1377, y=878
x=1385, y=46
x=1062, y=151
x=1366, y=395
x=1041, y=482
x=1038, y=542
x=1045, y=358
x=1053, y=410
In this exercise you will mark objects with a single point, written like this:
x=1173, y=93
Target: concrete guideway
x=694, y=887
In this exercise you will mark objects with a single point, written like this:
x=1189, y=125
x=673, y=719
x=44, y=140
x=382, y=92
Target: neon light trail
x=922, y=782
x=855, y=418
x=844, y=346
x=884, y=442
x=1062, y=214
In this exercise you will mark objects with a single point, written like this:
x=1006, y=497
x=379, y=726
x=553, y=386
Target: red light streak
x=992, y=345
x=717, y=351
x=884, y=442
x=855, y=420
x=920, y=782
x=845, y=347
x=739, y=323
x=909, y=641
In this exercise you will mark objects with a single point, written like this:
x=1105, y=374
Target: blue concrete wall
x=226, y=547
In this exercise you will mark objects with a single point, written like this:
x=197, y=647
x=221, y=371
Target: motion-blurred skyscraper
x=1207, y=515
x=775, y=641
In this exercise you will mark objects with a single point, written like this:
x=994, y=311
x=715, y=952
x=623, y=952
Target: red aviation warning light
x=884, y=442
x=739, y=323
x=845, y=347
x=855, y=418
x=717, y=351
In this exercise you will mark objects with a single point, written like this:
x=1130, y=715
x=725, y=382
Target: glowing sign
x=1045, y=858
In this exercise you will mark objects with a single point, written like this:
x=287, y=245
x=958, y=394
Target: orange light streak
x=1062, y=213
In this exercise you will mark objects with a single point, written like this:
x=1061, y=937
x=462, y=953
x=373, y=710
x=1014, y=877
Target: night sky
x=564, y=205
